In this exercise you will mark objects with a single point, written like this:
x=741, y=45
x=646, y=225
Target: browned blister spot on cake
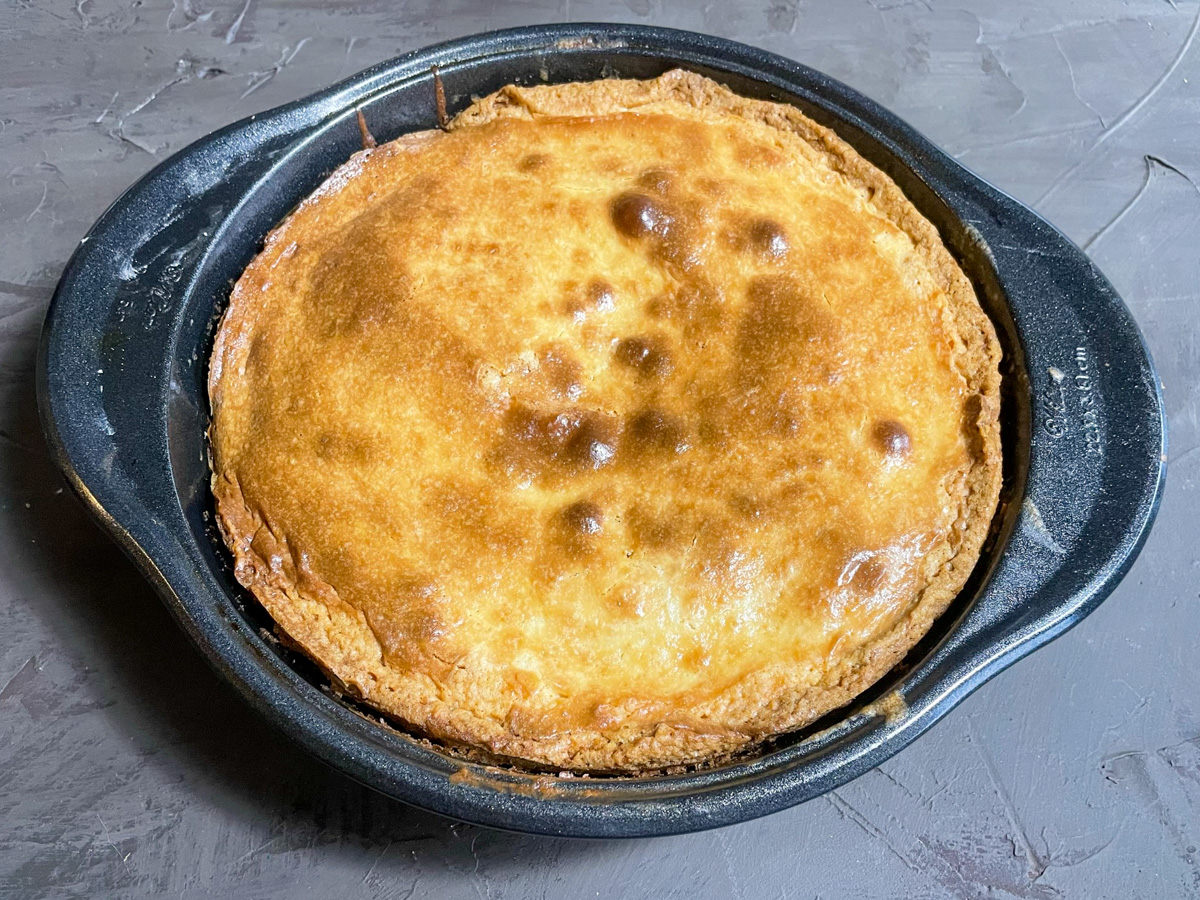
x=767, y=239
x=525, y=445
x=639, y=216
x=578, y=527
x=651, y=431
x=524, y=682
x=668, y=229
x=582, y=301
x=583, y=517
x=533, y=162
x=573, y=441
x=601, y=295
x=649, y=357
x=892, y=439
x=590, y=439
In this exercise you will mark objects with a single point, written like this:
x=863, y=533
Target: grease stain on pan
x=590, y=42
x=565, y=784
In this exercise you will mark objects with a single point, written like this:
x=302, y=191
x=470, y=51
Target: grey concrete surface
x=128, y=770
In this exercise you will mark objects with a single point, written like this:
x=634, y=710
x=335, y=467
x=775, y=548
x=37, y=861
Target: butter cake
x=620, y=426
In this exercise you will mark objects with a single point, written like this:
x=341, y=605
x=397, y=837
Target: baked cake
x=619, y=426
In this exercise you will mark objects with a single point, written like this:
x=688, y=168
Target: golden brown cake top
x=622, y=424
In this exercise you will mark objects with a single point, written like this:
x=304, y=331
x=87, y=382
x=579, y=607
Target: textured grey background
x=127, y=769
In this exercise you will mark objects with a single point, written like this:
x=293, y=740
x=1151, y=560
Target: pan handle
x=1084, y=432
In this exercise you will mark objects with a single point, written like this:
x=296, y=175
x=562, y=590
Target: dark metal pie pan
x=121, y=381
